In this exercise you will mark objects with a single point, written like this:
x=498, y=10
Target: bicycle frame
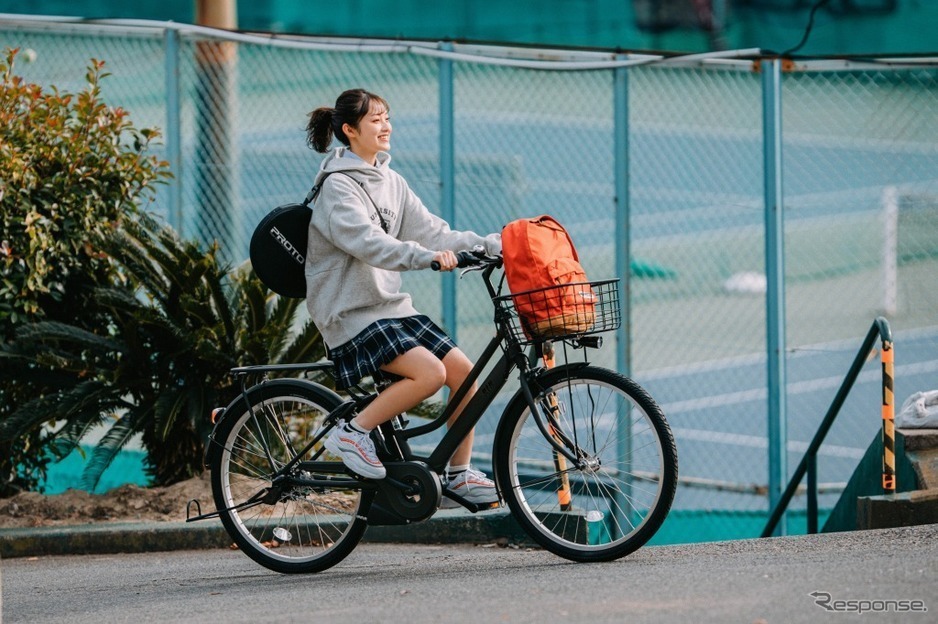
x=513, y=356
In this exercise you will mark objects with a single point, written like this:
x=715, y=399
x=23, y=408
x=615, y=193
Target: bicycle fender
x=212, y=447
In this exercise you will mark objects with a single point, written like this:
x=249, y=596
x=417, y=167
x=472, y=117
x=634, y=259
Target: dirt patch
x=127, y=503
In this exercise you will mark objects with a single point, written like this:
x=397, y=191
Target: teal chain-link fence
x=661, y=160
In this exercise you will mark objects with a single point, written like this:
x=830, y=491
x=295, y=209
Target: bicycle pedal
x=453, y=501
x=494, y=505
x=477, y=507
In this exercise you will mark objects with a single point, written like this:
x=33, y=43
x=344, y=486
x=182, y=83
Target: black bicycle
x=582, y=455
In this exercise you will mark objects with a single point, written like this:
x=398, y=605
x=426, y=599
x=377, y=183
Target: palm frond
x=167, y=409
x=307, y=346
x=71, y=434
x=222, y=305
x=21, y=371
x=284, y=311
x=82, y=406
x=280, y=325
x=201, y=401
x=35, y=337
x=250, y=304
x=129, y=250
x=252, y=298
x=136, y=317
x=117, y=437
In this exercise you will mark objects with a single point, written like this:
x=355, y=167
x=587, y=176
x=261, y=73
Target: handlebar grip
x=463, y=259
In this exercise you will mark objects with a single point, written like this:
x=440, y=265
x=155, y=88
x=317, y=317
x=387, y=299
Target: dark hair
x=325, y=122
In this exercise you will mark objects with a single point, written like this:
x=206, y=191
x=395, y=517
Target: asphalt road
x=748, y=581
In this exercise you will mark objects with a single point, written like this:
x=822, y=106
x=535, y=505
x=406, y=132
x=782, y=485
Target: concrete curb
x=446, y=527
x=886, y=511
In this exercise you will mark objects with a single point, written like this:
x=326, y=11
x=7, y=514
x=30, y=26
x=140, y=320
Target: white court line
x=760, y=442
x=793, y=353
x=800, y=387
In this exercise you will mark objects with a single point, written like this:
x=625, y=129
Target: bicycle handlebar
x=470, y=258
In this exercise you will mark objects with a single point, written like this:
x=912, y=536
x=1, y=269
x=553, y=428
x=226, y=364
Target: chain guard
x=394, y=506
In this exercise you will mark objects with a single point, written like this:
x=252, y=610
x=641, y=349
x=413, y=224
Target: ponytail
x=319, y=129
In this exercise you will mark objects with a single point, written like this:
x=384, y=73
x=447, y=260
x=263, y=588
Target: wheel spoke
x=304, y=529
x=624, y=483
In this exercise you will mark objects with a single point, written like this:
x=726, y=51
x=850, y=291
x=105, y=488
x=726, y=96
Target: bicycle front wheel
x=613, y=499
x=287, y=529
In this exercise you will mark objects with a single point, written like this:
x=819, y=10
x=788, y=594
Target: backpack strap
x=384, y=224
x=315, y=191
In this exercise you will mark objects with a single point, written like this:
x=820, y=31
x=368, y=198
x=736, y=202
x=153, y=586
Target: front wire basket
x=560, y=312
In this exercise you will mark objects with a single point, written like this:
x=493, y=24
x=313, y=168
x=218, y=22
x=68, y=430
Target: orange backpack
x=549, y=288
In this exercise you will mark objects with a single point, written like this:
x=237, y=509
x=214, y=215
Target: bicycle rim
x=617, y=497
x=299, y=529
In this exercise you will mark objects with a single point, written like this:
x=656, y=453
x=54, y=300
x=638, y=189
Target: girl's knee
x=457, y=366
x=425, y=372
x=433, y=377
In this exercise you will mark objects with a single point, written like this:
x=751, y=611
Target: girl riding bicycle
x=367, y=227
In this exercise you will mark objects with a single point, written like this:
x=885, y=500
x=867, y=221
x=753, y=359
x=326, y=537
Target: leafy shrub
x=71, y=169
x=105, y=315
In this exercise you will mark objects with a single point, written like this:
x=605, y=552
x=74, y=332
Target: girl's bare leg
x=423, y=375
x=458, y=367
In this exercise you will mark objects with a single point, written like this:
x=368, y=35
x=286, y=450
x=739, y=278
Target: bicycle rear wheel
x=286, y=529
x=614, y=499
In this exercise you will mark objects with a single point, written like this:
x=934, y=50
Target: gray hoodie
x=352, y=266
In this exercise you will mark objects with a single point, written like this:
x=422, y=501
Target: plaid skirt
x=381, y=342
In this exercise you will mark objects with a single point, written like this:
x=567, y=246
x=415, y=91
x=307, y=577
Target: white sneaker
x=473, y=486
x=356, y=450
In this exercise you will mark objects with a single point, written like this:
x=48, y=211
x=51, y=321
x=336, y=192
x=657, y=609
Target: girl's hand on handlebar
x=462, y=259
x=444, y=261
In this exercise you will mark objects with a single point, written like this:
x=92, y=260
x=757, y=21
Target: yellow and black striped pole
x=889, y=423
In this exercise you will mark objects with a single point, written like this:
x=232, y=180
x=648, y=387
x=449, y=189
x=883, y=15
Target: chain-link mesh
x=860, y=156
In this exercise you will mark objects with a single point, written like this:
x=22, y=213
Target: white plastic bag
x=920, y=411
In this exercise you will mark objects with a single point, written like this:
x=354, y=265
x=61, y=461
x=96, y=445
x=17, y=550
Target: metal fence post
x=448, y=180
x=622, y=236
x=775, y=280
x=623, y=271
x=173, y=131
x=812, y=492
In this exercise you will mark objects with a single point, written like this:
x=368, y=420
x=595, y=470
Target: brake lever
x=475, y=267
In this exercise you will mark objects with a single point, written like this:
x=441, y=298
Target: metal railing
x=808, y=464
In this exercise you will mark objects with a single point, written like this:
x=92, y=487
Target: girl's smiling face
x=373, y=133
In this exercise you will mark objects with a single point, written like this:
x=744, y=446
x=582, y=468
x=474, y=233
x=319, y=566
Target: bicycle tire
x=619, y=496
x=303, y=531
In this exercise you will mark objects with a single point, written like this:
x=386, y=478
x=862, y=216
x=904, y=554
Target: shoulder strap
x=384, y=224
x=315, y=191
